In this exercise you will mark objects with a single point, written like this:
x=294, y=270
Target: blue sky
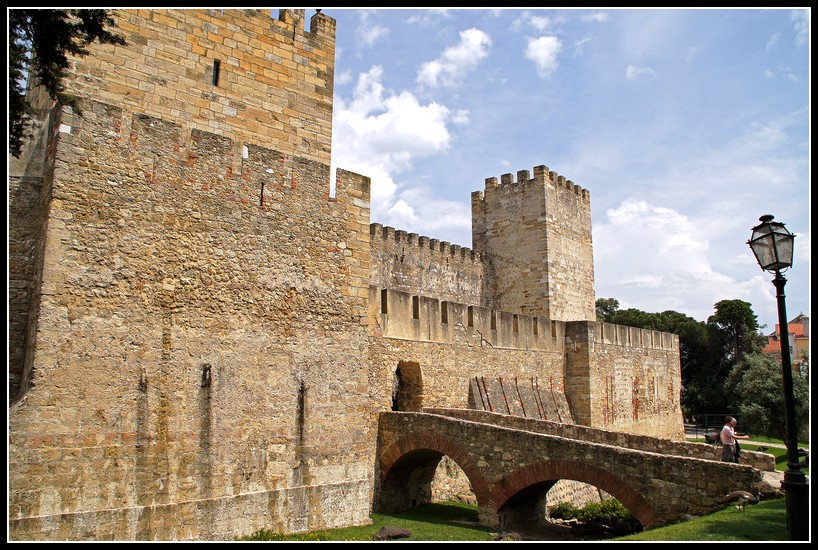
x=684, y=125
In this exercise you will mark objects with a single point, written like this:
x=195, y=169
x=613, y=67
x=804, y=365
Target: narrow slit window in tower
x=216, y=70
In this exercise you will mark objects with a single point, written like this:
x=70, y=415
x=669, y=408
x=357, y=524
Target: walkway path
x=693, y=432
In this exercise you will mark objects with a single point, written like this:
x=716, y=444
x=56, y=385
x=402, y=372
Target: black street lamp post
x=772, y=245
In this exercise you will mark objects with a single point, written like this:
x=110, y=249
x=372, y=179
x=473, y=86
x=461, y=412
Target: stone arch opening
x=410, y=466
x=526, y=507
x=407, y=387
x=451, y=483
x=409, y=481
x=525, y=495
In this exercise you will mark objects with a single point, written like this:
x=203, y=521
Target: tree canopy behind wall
x=40, y=43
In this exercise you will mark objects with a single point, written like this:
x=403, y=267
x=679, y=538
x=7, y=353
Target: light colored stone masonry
x=535, y=236
x=202, y=339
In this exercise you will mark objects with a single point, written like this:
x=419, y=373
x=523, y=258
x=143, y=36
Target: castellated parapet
x=535, y=236
x=417, y=264
x=405, y=316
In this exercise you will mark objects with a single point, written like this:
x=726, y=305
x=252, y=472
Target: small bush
x=564, y=510
x=609, y=513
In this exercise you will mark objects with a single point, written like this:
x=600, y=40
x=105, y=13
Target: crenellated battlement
x=620, y=335
x=390, y=236
x=421, y=265
x=415, y=317
x=544, y=223
x=542, y=177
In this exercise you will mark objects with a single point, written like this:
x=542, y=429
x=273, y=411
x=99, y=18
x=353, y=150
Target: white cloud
x=634, y=72
x=771, y=42
x=653, y=258
x=538, y=22
x=543, y=52
x=369, y=32
x=379, y=133
x=371, y=35
x=429, y=16
x=598, y=16
x=455, y=62
x=343, y=77
x=387, y=129
x=800, y=19
x=578, y=46
x=420, y=210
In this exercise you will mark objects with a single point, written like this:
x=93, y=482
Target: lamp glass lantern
x=772, y=244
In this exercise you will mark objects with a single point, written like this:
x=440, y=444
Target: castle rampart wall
x=624, y=379
x=416, y=264
x=405, y=316
x=614, y=377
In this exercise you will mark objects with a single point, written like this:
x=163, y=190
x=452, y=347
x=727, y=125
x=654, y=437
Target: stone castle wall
x=419, y=265
x=188, y=314
x=624, y=378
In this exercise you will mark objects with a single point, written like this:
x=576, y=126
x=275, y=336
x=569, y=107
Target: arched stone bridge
x=511, y=462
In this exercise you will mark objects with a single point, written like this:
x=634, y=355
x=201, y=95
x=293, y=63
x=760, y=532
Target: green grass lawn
x=765, y=521
x=440, y=521
x=449, y=521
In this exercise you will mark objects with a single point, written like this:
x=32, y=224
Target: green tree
x=40, y=43
x=606, y=308
x=733, y=333
x=736, y=325
x=757, y=386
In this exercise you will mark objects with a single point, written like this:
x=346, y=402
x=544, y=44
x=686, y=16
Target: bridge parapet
x=760, y=461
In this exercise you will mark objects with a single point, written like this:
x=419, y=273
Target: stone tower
x=535, y=237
